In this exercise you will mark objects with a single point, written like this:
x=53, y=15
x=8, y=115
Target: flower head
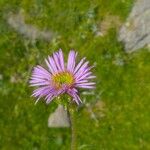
x=60, y=78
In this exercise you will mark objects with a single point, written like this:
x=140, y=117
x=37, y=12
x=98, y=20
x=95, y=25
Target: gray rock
x=135, y=33
x=59, y=118
x=33, y=33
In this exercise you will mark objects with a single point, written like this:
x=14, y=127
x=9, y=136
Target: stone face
x=59, y=118
x=135, y=33
x=33, y=33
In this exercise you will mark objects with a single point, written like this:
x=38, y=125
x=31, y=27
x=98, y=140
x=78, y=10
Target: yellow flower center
x=62, y=78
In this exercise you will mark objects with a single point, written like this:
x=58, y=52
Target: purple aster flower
x=60, y=78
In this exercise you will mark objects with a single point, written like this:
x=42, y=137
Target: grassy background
x=123, y=83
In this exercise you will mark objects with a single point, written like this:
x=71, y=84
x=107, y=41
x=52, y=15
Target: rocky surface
x=33, y=33
x=59, y=118
x=135, y=33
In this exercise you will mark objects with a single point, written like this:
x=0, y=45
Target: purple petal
x=50, y=98
x=42, y=91
x=85, y=71
x=40, y=83
x=49, y=66
x=40, y=77
x=41, y=72
x=86, y=87
x=91, y=77
x=81, y=70
x=84, y=76
x=71, y=60
x=53, y=95
x=73, y=93
x=53, y=64
x=79, y=65
x=61, y=58
x=57, y=61
x=82, y=81
x=90, y=83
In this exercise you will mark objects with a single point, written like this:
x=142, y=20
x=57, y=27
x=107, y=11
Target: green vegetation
x=123, y=83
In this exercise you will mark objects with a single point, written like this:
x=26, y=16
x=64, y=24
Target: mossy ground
x=123, y=82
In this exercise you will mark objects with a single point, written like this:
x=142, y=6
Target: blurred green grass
x=123, y=82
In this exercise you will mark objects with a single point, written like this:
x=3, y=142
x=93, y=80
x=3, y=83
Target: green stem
x=73, y=130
